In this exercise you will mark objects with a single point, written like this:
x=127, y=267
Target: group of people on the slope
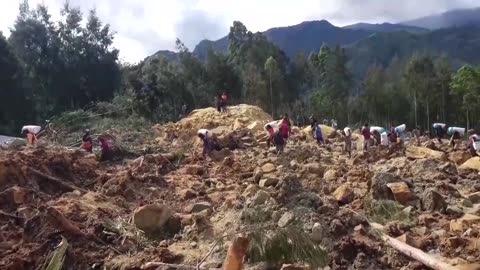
x=278, y=133
x=455, y=134
x=381, y=136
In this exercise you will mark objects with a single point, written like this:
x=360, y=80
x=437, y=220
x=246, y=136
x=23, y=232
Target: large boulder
x=415, y=152
x=344, y=194
x=268, y=168
x=151, y=217
x=401, y=192
x=433, y=201
x=459, y=157
x=464, y=222
x=314, y=168
x=473, y=164
x=378, y=186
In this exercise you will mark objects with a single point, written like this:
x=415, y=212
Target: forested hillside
x=49, y=67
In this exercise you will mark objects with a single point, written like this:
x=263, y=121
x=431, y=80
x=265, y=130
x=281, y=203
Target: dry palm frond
x=125, y=229
x=56, y=262
x=286, y=245
x=386, y=211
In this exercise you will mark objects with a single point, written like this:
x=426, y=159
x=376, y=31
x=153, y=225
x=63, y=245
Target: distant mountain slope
x=461, y=44
x=306, y=37
x=169, y=55
x=384, y=27
x=454, y=18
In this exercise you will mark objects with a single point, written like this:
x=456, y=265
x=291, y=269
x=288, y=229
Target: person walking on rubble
x=473, y=142
x=87, y=141
x=347, y=132
x=456, y=133
x=366, y=137
x=285, y=127
x=210, y=143
x=106, y=151
x=416, y=135
x=439, y=129
x=275, y=137
x=317, y=134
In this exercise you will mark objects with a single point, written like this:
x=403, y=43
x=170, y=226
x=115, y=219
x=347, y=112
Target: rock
x=258, y=175
x=194, y=169
x=360, y=229
x=188, y=194
x=379, y=188
x=249, y=191
x=473, y=163
x=314, y=168
x=415, y=152
x=474, y=197
x=294, y=164
x=317, y=232
x=200, y=206
x=220, y=155
x=459, y=157
x=337, y=227
x=454, y=210
x=267, y=182
x=151, y=217
x=407, y=239
x=408, y=210
x=433, y=201
x=228, y=161
x=27, y=212
x=467, y=203
x=330, y=175
x=255, y=126
x=464, y=222
x=286, y=219
x=293, y=267
x=268, y=168
x=261, y=197
x=344, y=194
x=18, y=194
x=401, y=192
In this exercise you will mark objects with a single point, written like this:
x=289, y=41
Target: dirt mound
x=236, y=118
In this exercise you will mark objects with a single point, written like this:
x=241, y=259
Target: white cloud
x=146, y=26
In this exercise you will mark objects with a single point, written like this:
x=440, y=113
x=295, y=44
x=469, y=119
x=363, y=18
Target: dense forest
x=50, y=67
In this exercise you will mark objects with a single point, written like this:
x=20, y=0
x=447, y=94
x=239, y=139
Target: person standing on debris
x=392, y=136
x=456, y=133
x=318, y=134
x=416, y=135
x=285, y=127
x=87, y=142
x=400, y=132
x=223, y=102
x=347, y=132
x=106, y=152
x=473, y=143
x=366, y=137
x=30, y=132
x=439, y=129
x=275, y=137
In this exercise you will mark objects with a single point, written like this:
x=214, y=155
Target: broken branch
x=60, y=183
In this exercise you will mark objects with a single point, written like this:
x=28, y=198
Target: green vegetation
x=386, y=211
x=70, y=70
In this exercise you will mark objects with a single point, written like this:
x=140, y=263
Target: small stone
x=286, y=219
x=257, y=175
x=317, y=232
x=408, y=210
x=337, y=227
x=249, y=191
x=200, y=206
x=151, y=217
x=193, y=244
x=228, y=161
x=440, y=233
x=294, y=164
x=330, y=175
x=433, y=201
x=194, y=169
x=268, y=168
x=188, y=194
x=314, y=168
x=268, y=182
x=401, y=192
x=464, y=222
x=163, y=244
x=360, y=229
x=454, y=210
x=18, y=194
x=474, y=197
x=467, y=203
x=276, y=215
x=293, y=267
x=261, y=197
x=344, y=194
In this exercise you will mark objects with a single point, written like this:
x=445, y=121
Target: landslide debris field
x=173, y=207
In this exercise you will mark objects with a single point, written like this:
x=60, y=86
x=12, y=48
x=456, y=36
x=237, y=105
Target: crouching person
x=210, y=142
x=275, y=137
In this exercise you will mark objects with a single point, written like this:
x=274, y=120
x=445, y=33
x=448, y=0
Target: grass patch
x=385, y=211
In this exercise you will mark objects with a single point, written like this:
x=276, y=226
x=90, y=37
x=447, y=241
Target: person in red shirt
x=106, y=151
x=271, y=132
x=223, y=102
x=366, y=137
x=87, y=141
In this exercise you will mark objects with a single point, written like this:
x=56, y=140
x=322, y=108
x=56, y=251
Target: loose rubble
x=173, y=206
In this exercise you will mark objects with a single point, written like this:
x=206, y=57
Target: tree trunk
x=271, y=93
x=443, y=105
x=428, y=117
x=468, y=121
x=415, y=106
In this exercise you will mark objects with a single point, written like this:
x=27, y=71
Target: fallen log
x=58, y=182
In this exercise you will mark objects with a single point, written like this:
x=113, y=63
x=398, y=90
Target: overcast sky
x=146, y=26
